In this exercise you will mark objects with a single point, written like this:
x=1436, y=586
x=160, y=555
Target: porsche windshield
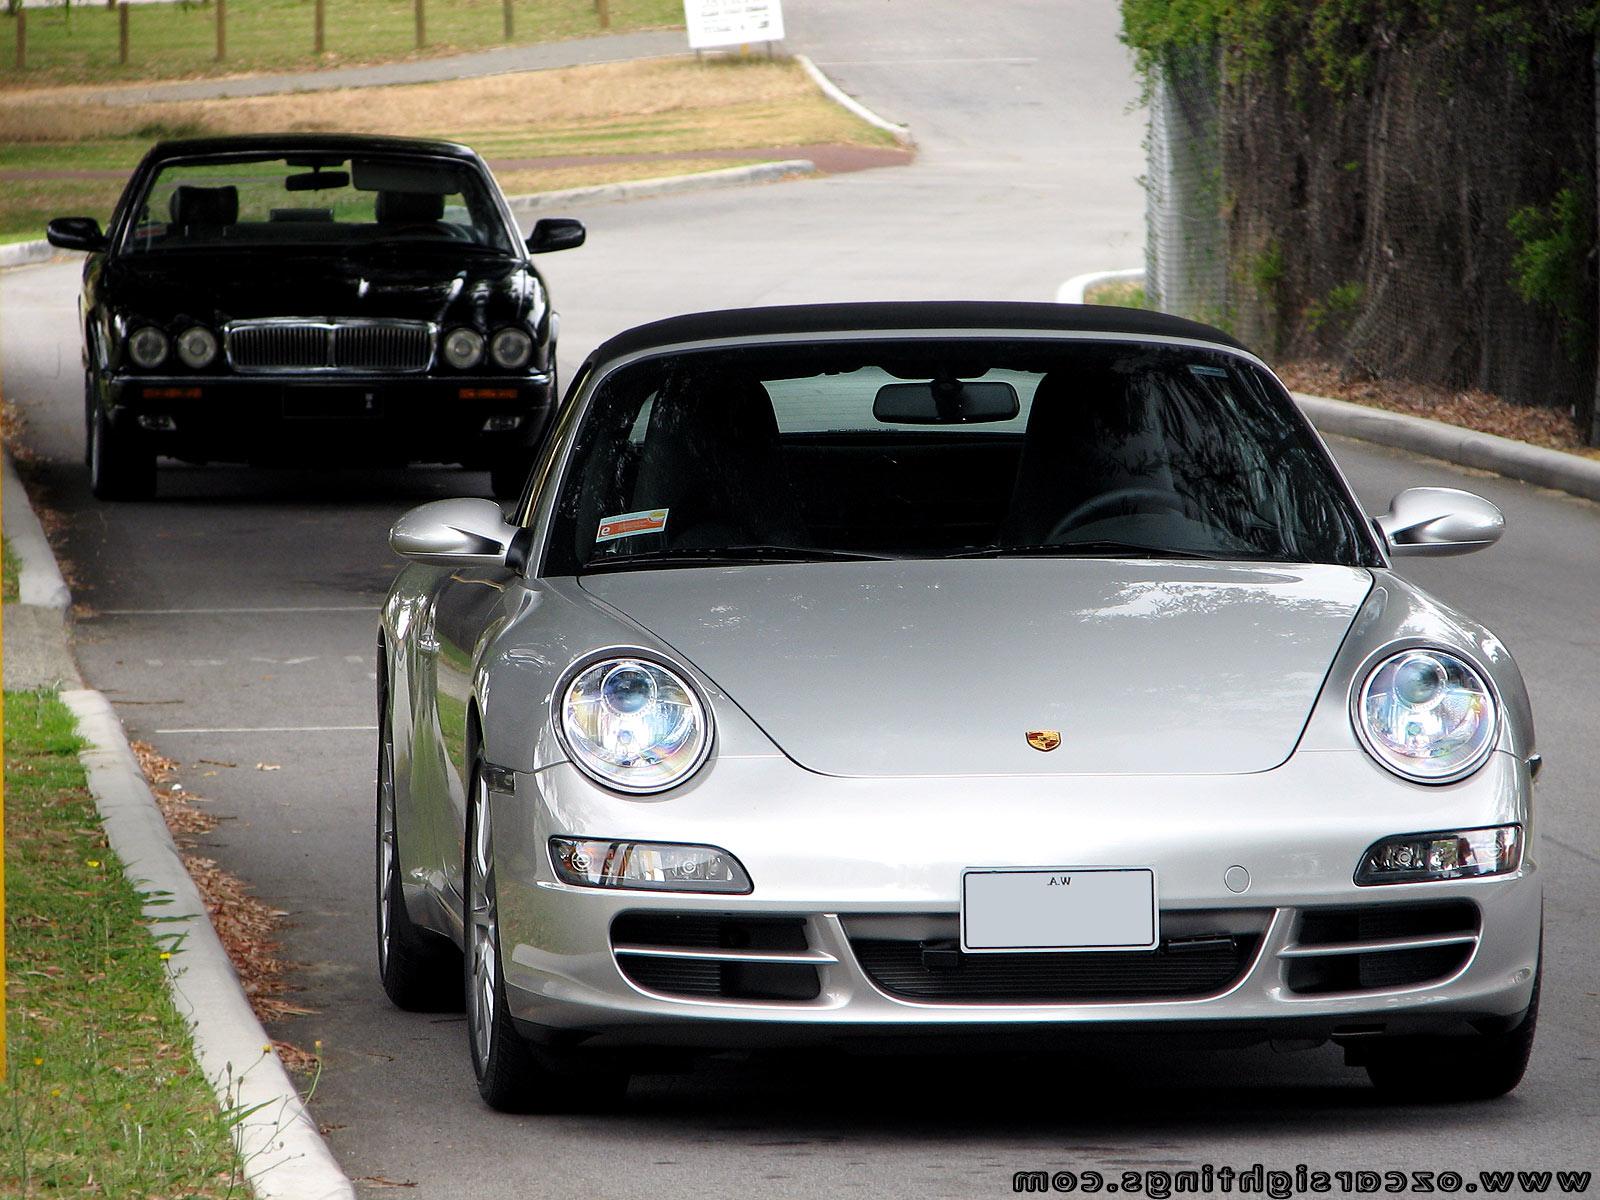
x=300, y=200
x=934, y=449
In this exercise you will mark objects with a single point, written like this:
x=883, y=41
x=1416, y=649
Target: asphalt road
x=233, y=621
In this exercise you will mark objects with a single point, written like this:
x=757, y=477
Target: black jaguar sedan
x=307, y=299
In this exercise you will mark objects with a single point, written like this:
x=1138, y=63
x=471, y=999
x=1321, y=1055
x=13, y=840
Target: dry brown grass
x=666, y=104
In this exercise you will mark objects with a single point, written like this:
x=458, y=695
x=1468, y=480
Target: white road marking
x=212, y=612
x=280, y=729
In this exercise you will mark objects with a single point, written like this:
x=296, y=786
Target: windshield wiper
x=724, y=556
x=1097, y=548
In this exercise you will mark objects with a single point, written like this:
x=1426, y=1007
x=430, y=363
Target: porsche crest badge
x=1044, y=739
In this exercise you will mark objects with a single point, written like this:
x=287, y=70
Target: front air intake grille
x=1380, y=947
x=938, y=971
x=718, y=956
x=355, y=345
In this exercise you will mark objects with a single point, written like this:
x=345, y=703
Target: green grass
x=79, y=44
x=103, y=1097
x=1124, y=293
x=8, y=573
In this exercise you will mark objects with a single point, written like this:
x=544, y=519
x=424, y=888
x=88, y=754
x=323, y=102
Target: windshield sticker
x=652, y=520
x=1214, y=372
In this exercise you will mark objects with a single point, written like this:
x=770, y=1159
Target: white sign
x=732, y=22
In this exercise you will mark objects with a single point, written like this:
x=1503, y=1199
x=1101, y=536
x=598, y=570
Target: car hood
x=242, y=284
x=944, y=667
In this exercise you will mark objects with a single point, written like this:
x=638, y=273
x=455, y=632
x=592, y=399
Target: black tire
x=420, y=970
x=508, y=473
x=513, y=1075
x=120, y=466
x=1492, y=1063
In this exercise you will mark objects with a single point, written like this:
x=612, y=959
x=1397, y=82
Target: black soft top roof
x=977, y=316
x=323, y=143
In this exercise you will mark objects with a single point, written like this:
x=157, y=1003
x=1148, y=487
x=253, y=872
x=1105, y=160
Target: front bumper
x=286, y=418
x=855, y=858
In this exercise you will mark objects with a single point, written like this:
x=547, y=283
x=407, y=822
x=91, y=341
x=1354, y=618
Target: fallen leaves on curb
x=1552, y=428
x=247, y=927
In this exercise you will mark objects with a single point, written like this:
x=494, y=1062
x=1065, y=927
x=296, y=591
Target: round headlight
x=147, y=346
x=197, y=346
x=463, y=348
x=1427, y=715
x=634, y=725
x=511, y=348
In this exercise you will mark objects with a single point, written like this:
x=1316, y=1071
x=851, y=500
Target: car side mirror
x=75, y=233
x=454, y=533
x=556, y=233
x=1439, y=521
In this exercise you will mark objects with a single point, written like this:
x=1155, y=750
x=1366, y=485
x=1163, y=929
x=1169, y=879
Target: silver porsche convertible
x=973, y=674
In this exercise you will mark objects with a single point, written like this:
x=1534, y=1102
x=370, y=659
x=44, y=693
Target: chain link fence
x=1375, y=230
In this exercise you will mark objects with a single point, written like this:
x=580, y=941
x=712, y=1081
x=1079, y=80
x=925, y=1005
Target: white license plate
x=1069, y=908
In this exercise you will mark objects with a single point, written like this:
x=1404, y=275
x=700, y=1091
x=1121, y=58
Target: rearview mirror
x=454, y=533
x=1439, y=521
x=945, y=402
x=556, y=233
x=75, y=233
x=317, y=181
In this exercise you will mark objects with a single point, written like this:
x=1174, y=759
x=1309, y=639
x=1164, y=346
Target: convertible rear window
x=316, y=199
x=939, y=448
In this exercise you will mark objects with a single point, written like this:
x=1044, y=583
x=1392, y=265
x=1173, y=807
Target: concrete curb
x=839, y=96
x=1464, y=447
x=22, y=254
x=284, y=1155
x=665, y=185
x=1072, y=291
x=39, y=580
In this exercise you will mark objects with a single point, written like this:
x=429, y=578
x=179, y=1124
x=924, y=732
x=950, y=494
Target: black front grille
x=700, y=974
x=1363, y=970
x=337, y=345
x=1186, y=968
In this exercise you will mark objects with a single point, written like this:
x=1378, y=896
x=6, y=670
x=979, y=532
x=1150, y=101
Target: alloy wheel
x=482, y=938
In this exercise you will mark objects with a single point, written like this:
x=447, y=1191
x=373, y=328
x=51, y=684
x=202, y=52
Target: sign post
x=715, y=23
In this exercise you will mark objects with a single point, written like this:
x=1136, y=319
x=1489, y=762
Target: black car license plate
x=331, y=404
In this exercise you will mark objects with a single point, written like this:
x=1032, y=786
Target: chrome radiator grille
x=276, y=345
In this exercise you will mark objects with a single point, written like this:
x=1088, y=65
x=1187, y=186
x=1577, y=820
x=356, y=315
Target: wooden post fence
x=222, y=30
x=321, y=25
x=422, y=25
x=22, y=39
x=122, y=33
x=603, y=7
x=510, y=19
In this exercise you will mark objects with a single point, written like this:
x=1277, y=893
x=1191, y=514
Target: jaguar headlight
x=633, y=724
x=147, y=346
x=511, y=348
x=1427, y=715
x=197, y=346
x=463, y=348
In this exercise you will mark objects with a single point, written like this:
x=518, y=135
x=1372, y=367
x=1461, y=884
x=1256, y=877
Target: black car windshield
x=299, y=200
x=947, y=448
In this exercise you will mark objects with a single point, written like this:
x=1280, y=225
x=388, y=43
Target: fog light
x=157, y=422
x=1463, y=854
x=501, y=424
x=654, y=866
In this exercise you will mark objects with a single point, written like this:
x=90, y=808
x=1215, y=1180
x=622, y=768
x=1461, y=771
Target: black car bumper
x=474, y=421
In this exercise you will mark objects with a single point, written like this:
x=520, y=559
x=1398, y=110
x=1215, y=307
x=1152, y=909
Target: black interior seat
x=712, y=457
x=408, y=208
x=203, y=209
x=1088, y=435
